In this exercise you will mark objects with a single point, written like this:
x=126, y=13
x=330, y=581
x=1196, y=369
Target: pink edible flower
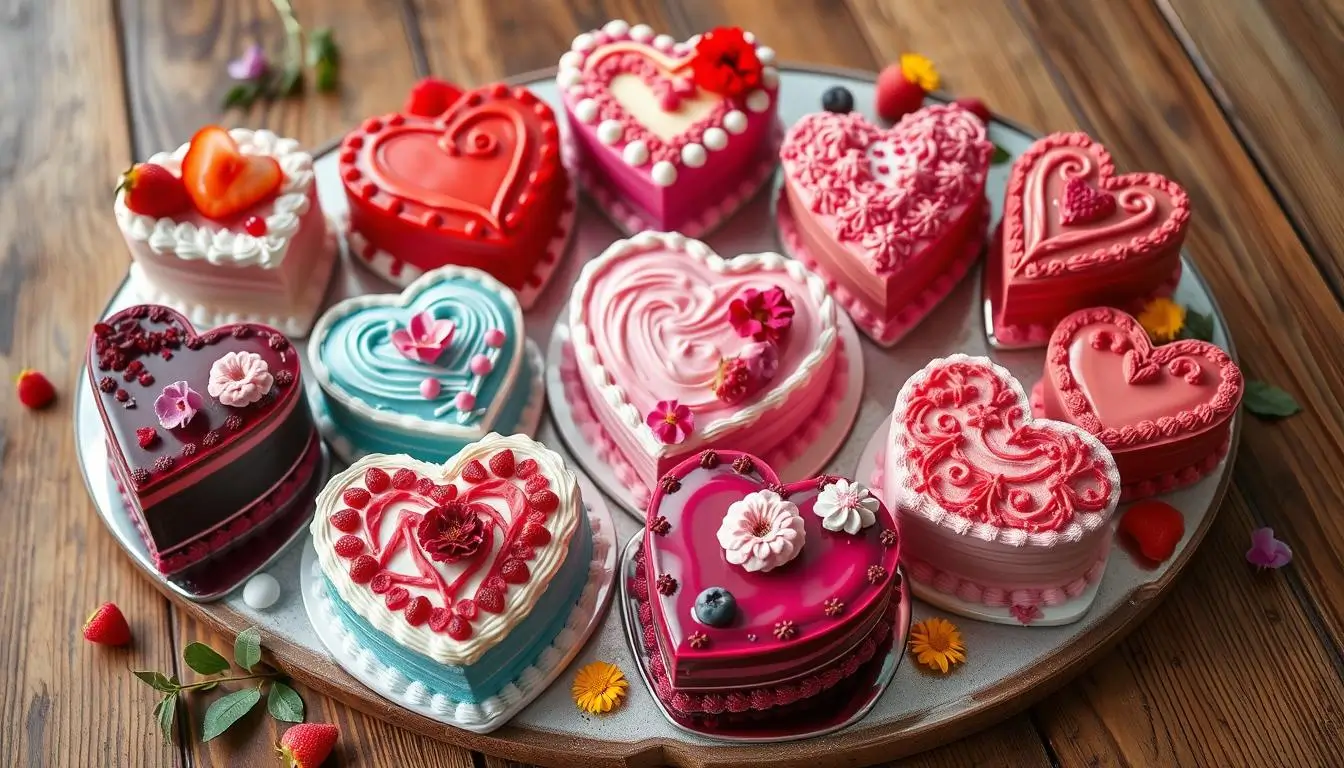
x=177, y=405
x=762, y=359
x=239, y=379
x=251, y=65
x=1267, y=551
x=670, y=421
x=761, y=315
x=425, y=338
x=1025, y=613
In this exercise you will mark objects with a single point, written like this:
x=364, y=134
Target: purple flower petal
x=251, y=65
x=1267, y=551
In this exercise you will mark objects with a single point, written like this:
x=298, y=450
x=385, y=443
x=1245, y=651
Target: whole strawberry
x=902, y=86
x=107, y=626
x=431, y=97
x=152, y=190
x=975, y=107
x=306, y=745
x=35, y=390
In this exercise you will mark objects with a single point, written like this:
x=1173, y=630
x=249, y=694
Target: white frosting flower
x=240, y=378
x=761, y=532
x=846, y=506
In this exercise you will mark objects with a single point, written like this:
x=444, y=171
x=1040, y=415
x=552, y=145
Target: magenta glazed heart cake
x=758, y=597
x=671, y=136
x=676, y=349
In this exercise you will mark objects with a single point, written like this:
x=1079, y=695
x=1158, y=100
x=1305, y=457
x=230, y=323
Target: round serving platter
x=1008, y=667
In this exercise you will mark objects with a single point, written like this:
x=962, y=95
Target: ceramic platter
x=1009, y=666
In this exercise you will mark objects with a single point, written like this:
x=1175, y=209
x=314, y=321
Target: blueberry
x=715, y=607
x=838, y=100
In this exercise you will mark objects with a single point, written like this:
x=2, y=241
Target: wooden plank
x=63, y=136
x=1277, y=70
x=809, y=31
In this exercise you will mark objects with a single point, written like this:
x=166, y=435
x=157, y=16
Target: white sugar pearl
x=735, y=122
x=586, y=111
x=765, y=54
x=758, y=101
x=609, y=132
x=716, y=138
x=663, y=42
x=693, y=155
x=616, y=28
x=636, y=153
x=641, y=32
x=770, y=77
x=261, y=591
x=664, y=174
x=582, y=43
x=571, y=60
x=568, y=78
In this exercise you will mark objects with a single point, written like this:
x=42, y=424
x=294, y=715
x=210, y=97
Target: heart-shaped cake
x=995, y=508
x=892, y=218
x=458, y=576
x=757, y=595
x=1164, y=412
x=671, y=136
x=209, y=436
x=481, y=185
x=269, y=262
x=428, y=371
x=1077, y=235
x=679, y=350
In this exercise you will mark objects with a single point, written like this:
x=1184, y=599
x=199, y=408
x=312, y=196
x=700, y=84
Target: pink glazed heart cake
x=892, y=218
x=995, y=508
x=677, y=350
x=671, y=136
x=758, y=597
x=1164, y=412
x=1076, y=235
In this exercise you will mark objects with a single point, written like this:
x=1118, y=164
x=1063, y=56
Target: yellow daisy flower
x=920, y=71
x=1163, y=319
x=599, y=687
x=936, y=644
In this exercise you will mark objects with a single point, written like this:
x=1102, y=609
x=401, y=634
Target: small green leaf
x=227, y=710
x=164, y=713
x=247, y=648
x=1000, y=156
x=157, y=680
x=1197, y=326
x=288, y=82
x=284, y=703
x=325, y=59
x=204, y=660
x=210, y=686
x=1268, y=400
x=242, y=95
x=327, y=76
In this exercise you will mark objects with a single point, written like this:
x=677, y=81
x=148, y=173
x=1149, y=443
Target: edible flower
x=936, y=644
x=761, y=315
x=1025, y=614
x=251, y=65
x=725, y=63
x=424, y=339
x=178, y=403
x=239, y=379
x=599, y=687
x=846, y=506
x=670, y=421
x=1163, y=319
x=920, y=71
x=1267, y=551
x=761, y=532
x=450, y=532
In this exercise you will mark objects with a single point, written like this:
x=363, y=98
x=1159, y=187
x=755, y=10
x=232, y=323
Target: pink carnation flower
x=239, y=379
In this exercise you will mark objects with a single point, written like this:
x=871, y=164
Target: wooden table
x=1241, y=100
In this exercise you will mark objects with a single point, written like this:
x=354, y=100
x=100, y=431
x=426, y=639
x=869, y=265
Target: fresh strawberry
x=474, y=472
x=376, y=480
x=152, y=190
x=502, y=463
x=346, y=520
x=442, y=494
x=514, y=571
x=349, y=546
x=536, y=483
x=306, y=745
x=35, y=390
x=404, y=479
x=107, y=626
x=975, y=107
x=544, y=501
x=356, y=497
x=397, y=598
x=363, y=569
x=146, y=437
x=221, y=180
x=526, y=468
x=897, y=95
x=431, y=97
x=418, y=610
x=1155, y=527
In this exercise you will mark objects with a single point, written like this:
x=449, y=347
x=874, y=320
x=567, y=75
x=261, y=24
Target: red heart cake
x=892, y=218
x=995, y=508
x=1076, y=235
x=1164, y=412
x=759, y=596
x=480, y=184
x=209, y=435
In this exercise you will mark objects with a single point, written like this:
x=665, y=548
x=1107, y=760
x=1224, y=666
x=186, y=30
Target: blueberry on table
x=715, y=607
x=838, y=100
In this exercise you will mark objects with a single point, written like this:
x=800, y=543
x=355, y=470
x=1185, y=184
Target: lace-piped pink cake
x=892, y=218
x=1164, y=412
x=1076, y=235
x=677, y=350
x=995, y=509
x=671, y=136
x=762, y=598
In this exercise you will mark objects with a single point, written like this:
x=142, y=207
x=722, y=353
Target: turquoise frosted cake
x=460, y=578
x=428, y=371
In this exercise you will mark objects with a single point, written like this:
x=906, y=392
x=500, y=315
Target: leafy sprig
x=323, y=58
x=282, y=701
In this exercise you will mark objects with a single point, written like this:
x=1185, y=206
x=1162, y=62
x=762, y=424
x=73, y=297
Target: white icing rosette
x=846, y=506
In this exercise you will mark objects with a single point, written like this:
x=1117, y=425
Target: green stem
x=239, y=678
x=293, y=32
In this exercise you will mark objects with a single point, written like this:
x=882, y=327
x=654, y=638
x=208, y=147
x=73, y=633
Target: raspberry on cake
x=228, y=227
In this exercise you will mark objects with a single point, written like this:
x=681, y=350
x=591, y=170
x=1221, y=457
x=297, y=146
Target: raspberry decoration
x=876, y=573
x=381, y=583
x=466, y=608
x=139, y=476
x=887, y=538
x=35, y=390
x=666, y=585
x=536, y=535
x=233, y=423
x=189, y=450
x=376, y=480
x=404, y=479
x=418, y=611
x=211, y=439
x=725, y=63
x=743, y=465
x=785, y=630
x=363, y=569
x=450, y=532
x=781, y=490
x=163, y=463
x=255, y=226
x=277, y=342
x=107, y=384
x=1084, y=204
x=670, y=484
x=241, y=332
x=833, y=606
x=732, y=381
x=423, y=486
x=146, y=437
x=697, y=640
x=284, y=378
x=438, y=619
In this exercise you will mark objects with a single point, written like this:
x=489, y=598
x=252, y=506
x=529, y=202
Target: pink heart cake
x=1164, y=412
x=995, y=508
x=757, y=596
x=892, y=218
x=671, y=136
x=1076, y=235
x=678, y=350
x=209, y=436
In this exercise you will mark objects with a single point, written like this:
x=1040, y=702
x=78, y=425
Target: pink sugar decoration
x=481, y=365
x=465, y=401
x=430, y=388
x=424, y=339
x=495, y=338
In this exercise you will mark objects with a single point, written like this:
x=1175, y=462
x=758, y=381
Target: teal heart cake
x=427, y=371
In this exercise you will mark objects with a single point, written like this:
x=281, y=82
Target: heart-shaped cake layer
x=459, y=574
x=672, y=129
x=1077, y=235
x=1165, y=412
x=757, y=594
x=892, y=217
x=996, y=507
x=209, y=435
x=481, y=185
x=427, y=371
x=652, y=323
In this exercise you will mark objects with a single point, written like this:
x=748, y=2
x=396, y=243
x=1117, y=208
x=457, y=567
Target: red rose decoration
x=451, y=532
x=726, y=63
